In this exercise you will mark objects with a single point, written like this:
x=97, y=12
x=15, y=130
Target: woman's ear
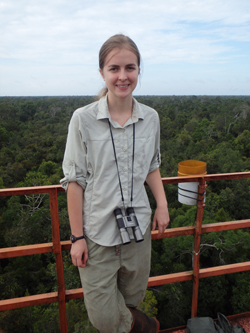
x=100, y=71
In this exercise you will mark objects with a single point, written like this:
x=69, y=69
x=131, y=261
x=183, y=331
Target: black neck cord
x=133, y=159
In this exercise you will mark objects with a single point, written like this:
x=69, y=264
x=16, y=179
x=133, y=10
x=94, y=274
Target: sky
x=188, y=47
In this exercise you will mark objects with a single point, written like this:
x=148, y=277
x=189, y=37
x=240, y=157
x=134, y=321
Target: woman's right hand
x=79, y=253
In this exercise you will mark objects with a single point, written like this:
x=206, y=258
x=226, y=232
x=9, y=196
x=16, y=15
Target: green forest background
x=215, y=130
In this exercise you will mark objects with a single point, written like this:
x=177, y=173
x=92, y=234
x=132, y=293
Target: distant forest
x=213, y=129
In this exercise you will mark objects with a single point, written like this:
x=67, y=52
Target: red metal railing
x=57, y=246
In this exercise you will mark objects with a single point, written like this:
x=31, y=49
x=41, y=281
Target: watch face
x=73, y=239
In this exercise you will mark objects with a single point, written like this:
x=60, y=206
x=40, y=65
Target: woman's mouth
x=122, y=86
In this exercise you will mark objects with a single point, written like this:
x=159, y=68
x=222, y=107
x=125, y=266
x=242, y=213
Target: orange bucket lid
x=192, y=167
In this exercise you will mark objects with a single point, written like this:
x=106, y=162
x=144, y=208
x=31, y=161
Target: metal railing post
x=197, y=239
x=57, y=250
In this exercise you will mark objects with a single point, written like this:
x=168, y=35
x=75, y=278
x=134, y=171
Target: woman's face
x=120, y=72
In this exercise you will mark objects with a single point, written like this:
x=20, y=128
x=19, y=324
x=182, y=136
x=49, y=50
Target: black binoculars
x=128, y=221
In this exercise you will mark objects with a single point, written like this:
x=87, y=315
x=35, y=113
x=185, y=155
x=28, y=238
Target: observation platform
x=61, y=296
x=242, y=319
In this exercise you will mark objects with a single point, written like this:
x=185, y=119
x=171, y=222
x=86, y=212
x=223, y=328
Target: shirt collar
x=103, y=111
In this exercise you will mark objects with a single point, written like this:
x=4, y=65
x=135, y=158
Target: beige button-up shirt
x=89, y=160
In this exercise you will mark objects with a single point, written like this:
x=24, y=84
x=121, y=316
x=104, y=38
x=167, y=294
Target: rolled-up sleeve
x=156, y=160
x=74, y=162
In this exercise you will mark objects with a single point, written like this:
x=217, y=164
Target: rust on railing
x=197, y=241
x=57, y=249
x=57, y=246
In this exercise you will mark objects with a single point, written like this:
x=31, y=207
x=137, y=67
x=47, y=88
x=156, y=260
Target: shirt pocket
x=144, y=152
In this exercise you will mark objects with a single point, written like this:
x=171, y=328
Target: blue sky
x=188, y=47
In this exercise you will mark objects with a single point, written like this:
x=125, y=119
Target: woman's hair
x=117, y=41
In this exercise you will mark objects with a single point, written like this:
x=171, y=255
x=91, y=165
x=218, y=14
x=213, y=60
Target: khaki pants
x=114, y=278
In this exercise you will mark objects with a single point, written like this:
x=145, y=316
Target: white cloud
x=52, y=38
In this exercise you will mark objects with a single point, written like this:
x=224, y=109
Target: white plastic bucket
x=188, y=192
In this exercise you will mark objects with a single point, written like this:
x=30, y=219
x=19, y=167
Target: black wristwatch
x=73, y=238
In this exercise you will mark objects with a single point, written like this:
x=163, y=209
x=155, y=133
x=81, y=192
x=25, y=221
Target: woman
x=112, y=149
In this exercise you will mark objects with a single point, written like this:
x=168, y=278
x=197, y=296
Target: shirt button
x=124, y=149
x=124, y=169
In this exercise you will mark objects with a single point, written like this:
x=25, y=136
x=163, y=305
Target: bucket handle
x=186, y=196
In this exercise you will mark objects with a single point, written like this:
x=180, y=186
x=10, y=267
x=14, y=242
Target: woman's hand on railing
x=161, y=218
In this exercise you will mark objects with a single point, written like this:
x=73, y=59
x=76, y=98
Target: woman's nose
x=123, y=75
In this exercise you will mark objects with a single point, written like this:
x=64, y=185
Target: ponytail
x=102, y=93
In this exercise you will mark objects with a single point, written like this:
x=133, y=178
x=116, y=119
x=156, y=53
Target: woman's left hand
x=161, y=218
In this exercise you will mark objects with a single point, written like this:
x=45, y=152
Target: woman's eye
x=131, y=68
x=113, y=69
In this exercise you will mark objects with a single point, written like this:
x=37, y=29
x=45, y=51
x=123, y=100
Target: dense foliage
x=32, y=140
